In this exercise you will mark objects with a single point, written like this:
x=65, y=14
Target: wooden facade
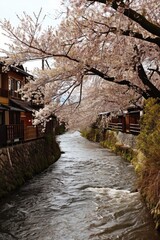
x=127, y=121
x=15, y=114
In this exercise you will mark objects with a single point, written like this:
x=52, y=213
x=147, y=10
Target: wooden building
x=15, y=114
x=127, y=120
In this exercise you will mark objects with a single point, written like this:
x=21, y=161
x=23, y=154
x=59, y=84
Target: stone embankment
x=21, y=162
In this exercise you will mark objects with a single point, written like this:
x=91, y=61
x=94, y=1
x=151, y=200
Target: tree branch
x=122, y=82
x=135, y=16
x=140, y=36
x=152, y=90
x=155, y=70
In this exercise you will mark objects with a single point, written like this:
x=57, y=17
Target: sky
x=11, y=8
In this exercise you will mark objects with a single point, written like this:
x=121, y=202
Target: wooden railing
x=115, y=126
x=134, y=128
x=126, y=123
x=31, y=132
x=16, y=133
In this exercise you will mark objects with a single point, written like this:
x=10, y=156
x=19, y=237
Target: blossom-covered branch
x=97, y=50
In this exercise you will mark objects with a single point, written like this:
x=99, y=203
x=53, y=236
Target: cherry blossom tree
x=118, y=41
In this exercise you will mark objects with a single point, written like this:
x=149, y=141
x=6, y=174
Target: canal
x=87, y=194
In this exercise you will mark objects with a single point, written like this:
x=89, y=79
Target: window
x=14, y=85
x=14, y=117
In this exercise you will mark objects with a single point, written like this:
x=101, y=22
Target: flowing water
x=87, y=194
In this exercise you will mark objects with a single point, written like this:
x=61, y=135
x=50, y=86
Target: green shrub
x=126, y=152
x=148, y=142
x=109, y=140
x=91, y=134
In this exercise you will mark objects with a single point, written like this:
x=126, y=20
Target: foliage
x=148, y=143
x=149, y=138
x=126, y=152
x=149, y=186
x=116, y=41
x=91, y=134
x=109, y=140
x=146, y=159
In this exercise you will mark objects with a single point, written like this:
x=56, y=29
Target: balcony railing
x=17, y=133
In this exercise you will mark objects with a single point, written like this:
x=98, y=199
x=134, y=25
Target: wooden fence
x=31, y=132
x=127, y=123
x=133, y=128
x=16, y=133
x=115, y=126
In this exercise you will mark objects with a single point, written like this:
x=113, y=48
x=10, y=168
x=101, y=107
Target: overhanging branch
x=121, y=82
x=134, y=16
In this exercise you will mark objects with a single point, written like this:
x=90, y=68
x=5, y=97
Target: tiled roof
x=21, y=104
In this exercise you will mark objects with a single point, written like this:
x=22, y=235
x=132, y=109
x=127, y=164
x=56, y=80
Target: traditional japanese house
x=127, y=120
x=15, y=114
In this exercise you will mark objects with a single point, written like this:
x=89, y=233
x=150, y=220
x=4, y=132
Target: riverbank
x=21, y=162
x=144, y=158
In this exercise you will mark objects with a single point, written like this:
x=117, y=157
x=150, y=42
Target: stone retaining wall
x=21, y=162
x=126, y=139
